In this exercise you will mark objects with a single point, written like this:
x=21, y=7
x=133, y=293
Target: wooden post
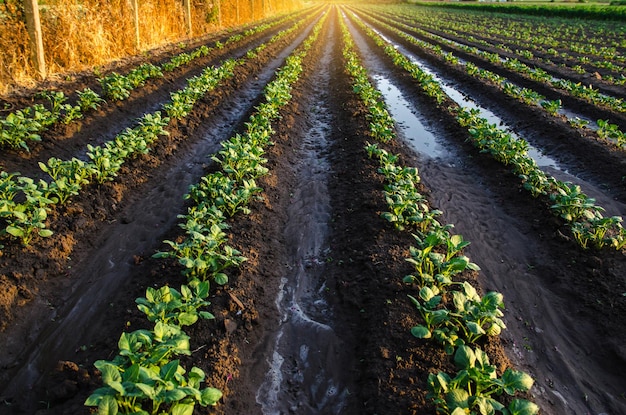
x=219, y=13
x=33, y=24
x=237, y=8
x=135, y=6
x=187, y=7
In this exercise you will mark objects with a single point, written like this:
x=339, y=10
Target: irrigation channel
x=317, y=320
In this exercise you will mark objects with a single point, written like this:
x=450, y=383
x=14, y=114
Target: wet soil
x=322, y=288
x=558, y=66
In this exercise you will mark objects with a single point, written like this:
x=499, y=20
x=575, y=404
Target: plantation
x=346, y=209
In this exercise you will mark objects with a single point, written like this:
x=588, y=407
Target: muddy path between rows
x=317, y=321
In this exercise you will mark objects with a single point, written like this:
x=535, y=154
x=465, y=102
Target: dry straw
x=80, y=35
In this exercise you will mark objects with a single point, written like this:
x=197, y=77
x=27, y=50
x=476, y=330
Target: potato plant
x=510, y=151
x=144, y=378
x=595, y=51
x=22, y=126
x=524, y=95
x=476, y=386
x=437, y=260
x=70, y=176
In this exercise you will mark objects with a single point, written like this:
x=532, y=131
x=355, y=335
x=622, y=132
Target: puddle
x=307, y=373
x=540, y=158
x=407, y=123
x=544, y=161
x=568, y=113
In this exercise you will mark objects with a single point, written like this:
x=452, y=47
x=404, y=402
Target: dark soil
x=65, y=300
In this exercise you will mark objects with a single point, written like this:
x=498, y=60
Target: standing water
x=305, y=374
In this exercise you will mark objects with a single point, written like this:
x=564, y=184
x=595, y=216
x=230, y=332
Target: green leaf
x=108, y=406
x=426, y=293
x=487, y=406
x=96, y=397
x=515, y=380
x=202, y=290
x=494, y=330
x=421, y=332
x=131, y=374
x=169, y=370
x=196, y=375
x=110, y=374
x=474, y=327
x=17, y=232
x=182, y=409
x=124, y=342
x=221, y=278
x=187, y=319
x=45, y=233
x=459, y=299
x=482, y=358
x=457, y=398
x=175, y=395
x=210, y=396
x=206, y=315
x=493, y=300
x=464, y=357
x=409, y=279
x=523, y=407
x=470, y=291
x=147, y=390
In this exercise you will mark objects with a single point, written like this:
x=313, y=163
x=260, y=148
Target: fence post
x=219, y=13
x=33, y=24
x=135, y=5
x=187, y=7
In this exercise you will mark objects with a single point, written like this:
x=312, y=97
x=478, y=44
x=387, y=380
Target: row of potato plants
x=576, y=89
x=25, y=125
x=598, y=49
x=589, y=227
x=599, y=39
x=145, y=374
x=25, y=203
x=594, y=12
x=454, y=314
x=602, y=40
x=606, y=130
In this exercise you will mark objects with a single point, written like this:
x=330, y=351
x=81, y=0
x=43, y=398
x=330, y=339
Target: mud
x=317, y=320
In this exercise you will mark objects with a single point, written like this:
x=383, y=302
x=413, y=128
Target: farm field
x=304, y=239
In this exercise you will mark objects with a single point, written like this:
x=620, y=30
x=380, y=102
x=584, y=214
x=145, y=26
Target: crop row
x=594, y=12
x=527, y=96
x=24, y=203
x=454, y=314
x=588, y=225
x=576, y=89
x=22, y=126
x=143, y=373
x=596, y=49
x=555, y=33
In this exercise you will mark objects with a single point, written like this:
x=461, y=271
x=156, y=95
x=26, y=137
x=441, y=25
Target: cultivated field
x=345, y=210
